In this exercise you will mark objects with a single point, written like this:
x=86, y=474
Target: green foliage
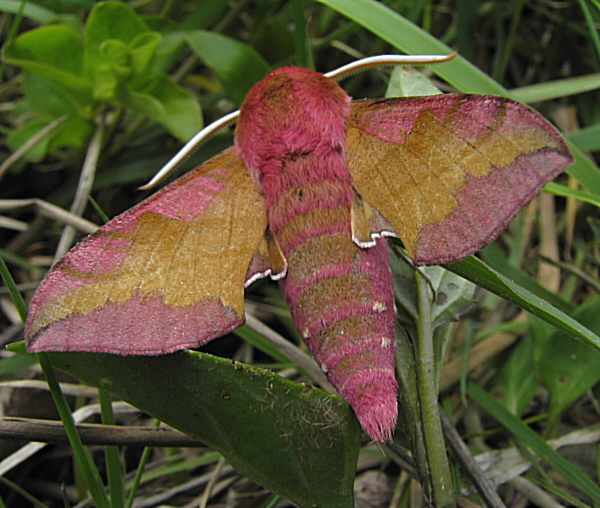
x=286, y=436
x=112, y=62
x=566, y=366
x=238, y=66
x=516, y=383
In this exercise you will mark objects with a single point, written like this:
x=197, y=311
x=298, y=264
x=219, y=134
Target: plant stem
x=439, y=487
x=81, y=453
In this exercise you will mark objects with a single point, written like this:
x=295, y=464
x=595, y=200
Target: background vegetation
x=117, y=88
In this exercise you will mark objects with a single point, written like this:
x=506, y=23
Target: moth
x=307, y=195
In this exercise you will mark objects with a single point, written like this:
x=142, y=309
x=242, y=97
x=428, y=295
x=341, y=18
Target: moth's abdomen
x=342, y=302
x=292, y=137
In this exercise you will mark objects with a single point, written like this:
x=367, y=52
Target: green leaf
x=47, y=101
x=566, y=366
x=55, y=52
x=478, y=272
x=556, y=89
x=116, y=54
x=166, y=103
x=496, y=260
x=10, y=364
x=562, y=190
x=109, y=21
x=406, y=82
x=587, y=138
x=515, y=384
x=127, y=61
x=406, y=36
x=171, y=43
x=29, y=10
x=118, y=47
x=236, y=64
x=52, y=100
x=74, y=132
x=293, y=439
x=583, y=170
x=205, y=14
x=21, y=135
x=143, y=50
x=529, y=438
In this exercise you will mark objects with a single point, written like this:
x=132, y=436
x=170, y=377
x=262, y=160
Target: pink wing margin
x=449, y=172
x=167, y=274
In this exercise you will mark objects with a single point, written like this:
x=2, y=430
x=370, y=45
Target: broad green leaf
x=171, y=43
x=116, y=54
x=109, y=21
x=143, y=50
x=46, y=101
x=566, y=366
x=173, y=107
x=52, y=100
x=75, y=132
x=406, y=82
x=478, y=272
x=237, y=65
x=204, y=14
x=293, y=439
x=55, y=52
x=515, y=384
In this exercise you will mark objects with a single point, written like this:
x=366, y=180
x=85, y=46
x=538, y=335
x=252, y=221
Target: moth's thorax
x=293, y=114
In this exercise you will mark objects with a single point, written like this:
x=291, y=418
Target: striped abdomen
x=341, y=299
x=292, y=137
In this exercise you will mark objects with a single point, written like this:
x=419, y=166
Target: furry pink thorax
x=290, y=113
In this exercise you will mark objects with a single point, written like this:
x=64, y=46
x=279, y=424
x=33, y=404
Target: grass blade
x=529, y=438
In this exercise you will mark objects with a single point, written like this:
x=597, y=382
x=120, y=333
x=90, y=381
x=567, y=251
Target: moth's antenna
x=372, y=61
x=190, y=147
x=341, y=73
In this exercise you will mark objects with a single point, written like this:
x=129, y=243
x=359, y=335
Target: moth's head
x=291, y=111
